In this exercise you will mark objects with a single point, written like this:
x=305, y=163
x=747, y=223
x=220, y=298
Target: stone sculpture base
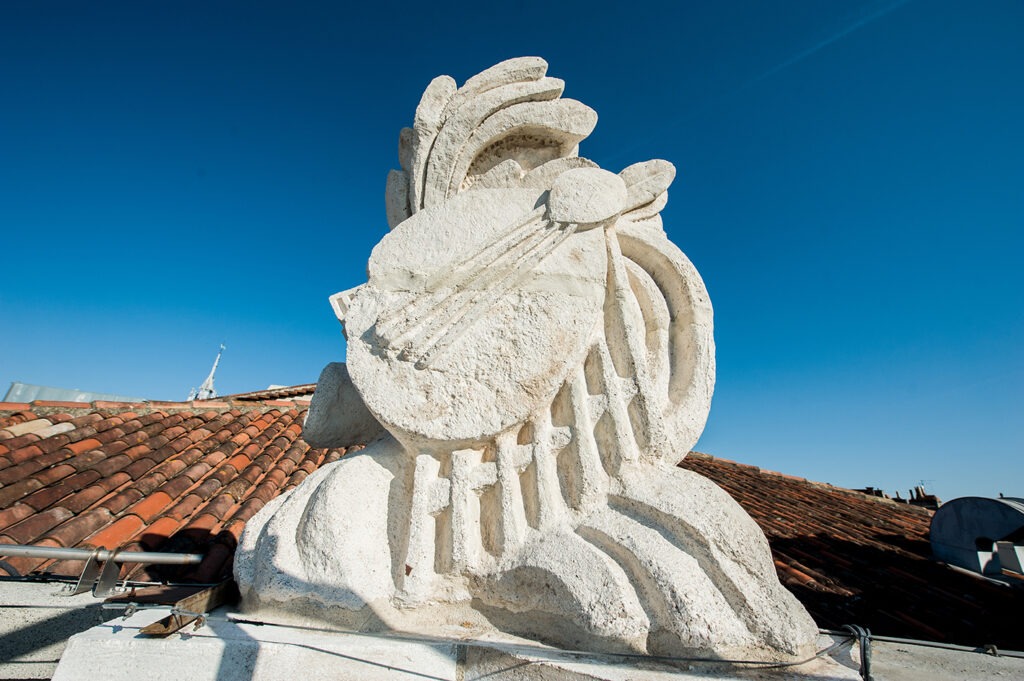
x=226, y=651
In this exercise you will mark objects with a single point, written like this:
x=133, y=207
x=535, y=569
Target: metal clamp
x=88, y=577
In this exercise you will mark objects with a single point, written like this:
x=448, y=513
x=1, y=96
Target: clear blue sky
x=174, y=175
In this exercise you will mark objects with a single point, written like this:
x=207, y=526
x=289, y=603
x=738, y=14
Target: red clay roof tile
x=214, y=563
x=237, y=489
x=854, y=558
x=72, y=532
x=117, y=533
x=265, y=491
x=207, y=488
x=196, y=471
x=150, y=506
x=158, y=532
x=14, y=514
x=203, y=524
x=15, y=491
x=272, y=395
x=23, y=428
x=184, y=508
x=234, y=528
x=121, y=500
x=110, y=465
x=64, y=404
x=176, y=487
x=47, y=496
x=36, y=525
x=114, y=481
x=84, y=499
x=21, y=441
x=188, y=476
x=239, y=462
x=27, y=565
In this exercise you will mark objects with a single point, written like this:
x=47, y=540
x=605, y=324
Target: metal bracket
x=88, y=577
x=99, y=576
x=107, y=583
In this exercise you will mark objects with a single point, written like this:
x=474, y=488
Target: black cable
x=864, y=640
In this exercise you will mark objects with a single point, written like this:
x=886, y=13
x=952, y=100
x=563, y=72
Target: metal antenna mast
x=206, y=390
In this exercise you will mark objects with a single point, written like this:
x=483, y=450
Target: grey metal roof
x=26, y=392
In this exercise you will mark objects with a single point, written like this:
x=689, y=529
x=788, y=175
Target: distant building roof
x=300, y=393
x=186, y=476
x=26, y=392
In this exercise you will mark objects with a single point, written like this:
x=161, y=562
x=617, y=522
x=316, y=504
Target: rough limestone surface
x=528, y=360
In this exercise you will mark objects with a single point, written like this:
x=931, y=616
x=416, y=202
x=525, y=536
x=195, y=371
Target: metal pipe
x=102, y=555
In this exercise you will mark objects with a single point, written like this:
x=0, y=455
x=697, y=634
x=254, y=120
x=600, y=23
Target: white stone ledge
x=232, y=651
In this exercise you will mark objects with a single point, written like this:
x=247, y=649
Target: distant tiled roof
x=178, y=477
x=185, y=477
x=291, y=392
x=852, y=558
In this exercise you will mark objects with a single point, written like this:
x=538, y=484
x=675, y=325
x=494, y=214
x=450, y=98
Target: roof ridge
x=823, y=485
x=303, y=390
x=45, y=408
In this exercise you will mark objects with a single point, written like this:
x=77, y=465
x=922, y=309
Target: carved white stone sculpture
x=534, y=357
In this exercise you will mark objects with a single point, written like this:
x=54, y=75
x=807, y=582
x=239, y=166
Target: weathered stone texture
x=531, y=357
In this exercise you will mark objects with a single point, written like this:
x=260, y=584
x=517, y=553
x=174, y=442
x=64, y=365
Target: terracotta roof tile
x=23, y=428
x=117, y=533
x=15, y=513
x=176, y=486
x=207, y=488
x=20, y=441
x=185, y=507
x=84, y=499
x=235, y=526
x=304, y=391
x=114, y=481
x=82, y=479
x=84, y=445
x=852, y=558
x=248, y=509
x=74, y=531
x=203, y=524
x=215, y=563
x=265, y=491
x=20, y=455
x=122, y=500
x=150, y=506
x=156, y=534
x=26, y=565
x=55, y=429
x=181, y=476
x=47, y=496
x=15, y=491
x=36, y=525
x=110, y=465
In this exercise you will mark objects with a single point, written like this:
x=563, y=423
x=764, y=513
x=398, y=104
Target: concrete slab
x=904, y=662
x=35, y=624
x=231, y=651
